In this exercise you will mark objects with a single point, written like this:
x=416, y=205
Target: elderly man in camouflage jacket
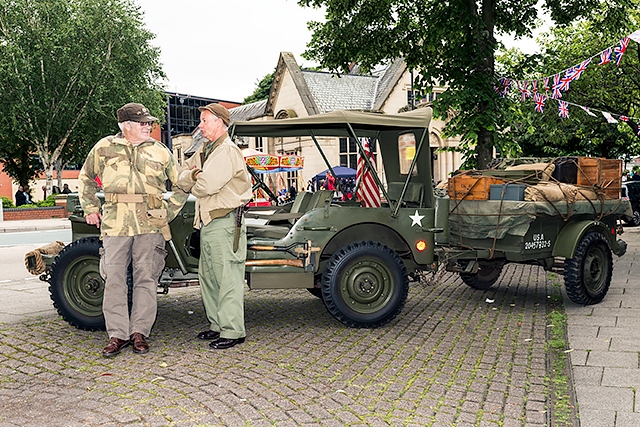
x=133, y=169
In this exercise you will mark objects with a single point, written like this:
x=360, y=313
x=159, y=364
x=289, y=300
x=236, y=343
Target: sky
x=221, y=49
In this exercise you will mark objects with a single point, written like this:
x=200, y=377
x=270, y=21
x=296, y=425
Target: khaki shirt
x=125, y=169
x=224, y=182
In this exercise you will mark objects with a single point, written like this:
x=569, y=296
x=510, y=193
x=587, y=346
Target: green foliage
x=450, y=43
x=263, y=87
x=7, y=203
x=65, y=68
x=606, y=88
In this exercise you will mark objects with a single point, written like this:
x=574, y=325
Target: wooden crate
x=471, y=187
x=604, y=173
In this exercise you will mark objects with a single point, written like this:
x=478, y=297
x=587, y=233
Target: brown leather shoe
x=114, y=347
x=140, y=346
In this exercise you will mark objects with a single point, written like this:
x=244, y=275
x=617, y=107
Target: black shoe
x=208, y=335
x=222, y=343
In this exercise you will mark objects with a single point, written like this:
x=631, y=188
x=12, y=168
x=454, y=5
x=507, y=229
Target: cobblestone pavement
x=455, y=356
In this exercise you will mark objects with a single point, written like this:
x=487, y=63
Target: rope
x=33, y=260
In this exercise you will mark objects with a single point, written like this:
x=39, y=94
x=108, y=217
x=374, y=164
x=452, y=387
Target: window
x=349, y=152
x=407, y=151
x=259, y=144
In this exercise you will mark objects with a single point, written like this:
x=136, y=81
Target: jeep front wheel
x=365, y=285
x=587, y=276
x=76, y=286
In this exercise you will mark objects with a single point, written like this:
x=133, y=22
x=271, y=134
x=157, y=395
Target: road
x=28, y=296
x=37, y=238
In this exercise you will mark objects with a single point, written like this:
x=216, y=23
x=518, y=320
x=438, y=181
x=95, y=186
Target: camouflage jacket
x=125, y=169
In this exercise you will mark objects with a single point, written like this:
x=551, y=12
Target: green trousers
x=221, y=274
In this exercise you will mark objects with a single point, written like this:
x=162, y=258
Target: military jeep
x=361, y=260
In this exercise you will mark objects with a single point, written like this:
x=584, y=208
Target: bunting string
x=553, y=86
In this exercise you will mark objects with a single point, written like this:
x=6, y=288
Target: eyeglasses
x=145, y=123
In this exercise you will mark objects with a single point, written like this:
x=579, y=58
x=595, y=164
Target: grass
x=562, y=410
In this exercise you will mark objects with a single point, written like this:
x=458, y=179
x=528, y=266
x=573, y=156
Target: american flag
x=605, y=56
x=368, y=191
x=539, y=99
x=620, y=50
x=563, y=109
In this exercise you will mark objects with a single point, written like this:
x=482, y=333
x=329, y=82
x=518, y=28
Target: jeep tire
x=488, y=274
x=587, y=276
x=365, y=284
x=76, y=286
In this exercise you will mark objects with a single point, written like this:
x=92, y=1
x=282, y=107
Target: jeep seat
x=270, y=231
x=412, y=198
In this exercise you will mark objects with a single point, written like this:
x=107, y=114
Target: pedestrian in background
x=218, y=177
x=133, y=224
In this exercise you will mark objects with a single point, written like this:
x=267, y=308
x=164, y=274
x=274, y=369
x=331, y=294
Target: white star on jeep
x=416, y=219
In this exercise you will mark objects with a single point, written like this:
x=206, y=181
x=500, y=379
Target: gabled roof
x=322, y=92
x=247, y=112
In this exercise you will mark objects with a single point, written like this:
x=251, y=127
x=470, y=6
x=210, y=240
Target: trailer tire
x=365, y=285
x=587, y=276
x=488, y=274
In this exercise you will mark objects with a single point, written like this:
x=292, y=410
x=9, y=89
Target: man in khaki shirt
x=219, y=179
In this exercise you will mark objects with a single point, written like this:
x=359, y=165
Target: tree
x=65, y=68
x=263, y=87
x=452, y=43
x=610, y=88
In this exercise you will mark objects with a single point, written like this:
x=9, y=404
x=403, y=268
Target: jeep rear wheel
x=365, y=285
x=587, y=276
x=488, y=274
x=76, y=286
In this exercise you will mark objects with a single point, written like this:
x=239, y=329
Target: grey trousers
x=146, y=253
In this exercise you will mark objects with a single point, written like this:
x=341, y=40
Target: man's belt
x=124, y=198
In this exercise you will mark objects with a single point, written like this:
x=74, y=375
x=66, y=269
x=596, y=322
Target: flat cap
x=219, y=111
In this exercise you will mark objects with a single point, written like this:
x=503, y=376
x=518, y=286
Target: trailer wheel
x=365, y=285
x=587, y=275
x=488, y=274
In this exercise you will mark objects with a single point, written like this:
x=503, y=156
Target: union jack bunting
x=588, y=111
x=555, y=89
x=623, y=118
x=545, y=81
x=620, y=50
x=539, y=99
x=368, y=191
x=534, y=86
x=609, y=117
x=579, y=69
x=563, y=85
x=635, y=36
x=507, y=85
x=524, y=90
x=563, y=109
x=605, y=56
